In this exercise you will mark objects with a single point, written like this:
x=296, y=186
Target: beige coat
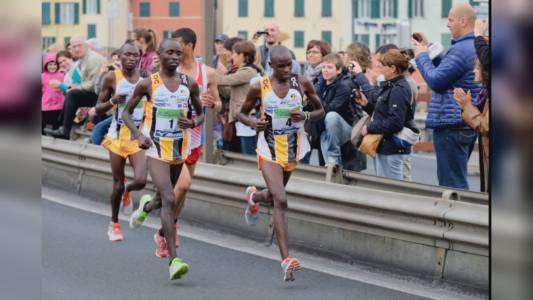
x=479, y=121
x=239, y=82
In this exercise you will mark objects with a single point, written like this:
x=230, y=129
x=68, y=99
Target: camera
x=261, y=33
x=355, y=93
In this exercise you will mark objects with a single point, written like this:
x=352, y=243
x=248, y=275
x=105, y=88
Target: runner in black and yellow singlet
x=117, y=89
x=281, y=142
x=164, y=133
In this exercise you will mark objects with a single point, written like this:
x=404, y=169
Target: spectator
x=243, y=57
x=146, y=40
x=51, y=98
x=83, y=95
x=272, y=39
x=72, y=73
x=452, y=138
x=219, y=48
x=316, y=51
x=391, y=112
x=339, y=112
x=482, y=44
x=476, y=115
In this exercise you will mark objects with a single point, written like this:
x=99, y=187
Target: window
x=362, y=38
x=91, y=7
x=243, y=34
x=299, y=39
x=362, y=9
x=326, y=8
x=326, y=36
x=269, y=8
x=299, y=8
x=388, y=38
x=446, y=6
x=45, y=10
x=66, y=40
x=67, y=13
x=174, y=9
x=375, y=9
x=243, y=8
x=416, y=8
x=167, y=34
x=446, y=40
x=378, y=40
x=47, y=41
x=144, y=9
x=91, y=31
x=387, y=8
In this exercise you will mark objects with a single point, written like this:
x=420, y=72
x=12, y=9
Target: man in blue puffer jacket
x=452, y=138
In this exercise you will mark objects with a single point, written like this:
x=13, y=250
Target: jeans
x=453, y=148
x=248, y=144
x=100, y=130
x=389, y=166
x=337, y=133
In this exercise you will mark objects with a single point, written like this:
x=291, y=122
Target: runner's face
x=186, y=48
x=329, y=71
x=170, y=56
x=64, y=63
x=282, y=67
x=130, y=57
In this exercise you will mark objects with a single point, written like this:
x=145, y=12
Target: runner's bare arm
x=212, y=89
x=254, y=93
x=142, y=89
x=309, y=91
x=197, y=106
x=104, y=98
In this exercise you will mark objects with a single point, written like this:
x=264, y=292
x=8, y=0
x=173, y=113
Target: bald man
x=452, y=138
x=272, y=39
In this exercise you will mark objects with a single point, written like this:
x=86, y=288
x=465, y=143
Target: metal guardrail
x=443, y=223
x=363, y=180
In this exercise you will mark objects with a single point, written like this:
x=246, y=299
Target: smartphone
x=262, y=33
x=417, y=37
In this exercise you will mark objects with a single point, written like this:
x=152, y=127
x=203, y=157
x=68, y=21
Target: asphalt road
x=80, y=263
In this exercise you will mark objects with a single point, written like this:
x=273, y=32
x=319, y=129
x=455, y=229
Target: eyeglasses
x=313, y=52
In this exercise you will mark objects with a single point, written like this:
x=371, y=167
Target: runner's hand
x=260, y=124
x=186, y=123
x=144, y=142
x=207, y=99
x=121, y=98
x=297, y=116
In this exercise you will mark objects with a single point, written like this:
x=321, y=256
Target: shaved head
x=461, y=19
x=281, y=62
x=280, y=52
x=167, y=43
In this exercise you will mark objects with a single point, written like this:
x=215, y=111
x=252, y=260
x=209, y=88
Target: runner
x=165, y=135
x=117, y=89
x=206, y=79
x=281, y=142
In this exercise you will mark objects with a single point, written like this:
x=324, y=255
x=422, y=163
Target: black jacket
x=392, y=111
x=336, y=97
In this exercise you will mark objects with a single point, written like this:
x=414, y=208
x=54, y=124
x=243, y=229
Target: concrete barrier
x=438, y=237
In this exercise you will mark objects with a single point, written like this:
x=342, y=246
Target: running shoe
x=161, y=250
x=177, y=237
x=139, y=215
x=113, y=232
x=177, y=268
x=251, y=213
x=127, y=206
x=288, y=266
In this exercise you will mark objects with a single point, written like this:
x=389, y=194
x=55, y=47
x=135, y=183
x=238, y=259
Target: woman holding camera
x=391, y=114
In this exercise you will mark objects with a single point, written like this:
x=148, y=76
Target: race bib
x=282, y=123
x=167, y=123
x=137, y=115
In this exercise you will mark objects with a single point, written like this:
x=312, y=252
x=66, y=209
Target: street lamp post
x=209, y=37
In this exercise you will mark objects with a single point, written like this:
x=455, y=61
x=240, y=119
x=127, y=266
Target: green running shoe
x=139, y=215
x=177, y=268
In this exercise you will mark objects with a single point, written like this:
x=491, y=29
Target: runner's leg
x=138, y=162
x=117, y=168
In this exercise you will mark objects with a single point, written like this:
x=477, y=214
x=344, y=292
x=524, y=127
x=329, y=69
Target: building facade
x=104, y=20
x=165, y=16
x=300, y=20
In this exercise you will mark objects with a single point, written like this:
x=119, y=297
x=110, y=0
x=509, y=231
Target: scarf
x=312, y=72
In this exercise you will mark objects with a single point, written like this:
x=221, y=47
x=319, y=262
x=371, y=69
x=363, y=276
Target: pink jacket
x=51, y=99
